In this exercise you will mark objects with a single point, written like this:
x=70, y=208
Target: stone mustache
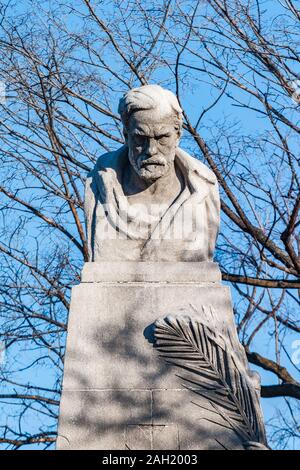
x=153, y=360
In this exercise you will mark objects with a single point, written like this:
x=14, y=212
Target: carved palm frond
x=213, y=373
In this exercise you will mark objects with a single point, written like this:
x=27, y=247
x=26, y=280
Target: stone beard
x=149, y=200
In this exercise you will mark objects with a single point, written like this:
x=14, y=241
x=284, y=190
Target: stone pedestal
x=117, y=391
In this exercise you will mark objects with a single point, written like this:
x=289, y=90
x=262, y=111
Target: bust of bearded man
x=150, y=200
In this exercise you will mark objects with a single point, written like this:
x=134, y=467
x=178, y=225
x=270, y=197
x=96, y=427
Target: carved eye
x=163, y=140
x=139, y=140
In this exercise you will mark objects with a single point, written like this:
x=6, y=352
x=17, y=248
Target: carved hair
x=150, y=97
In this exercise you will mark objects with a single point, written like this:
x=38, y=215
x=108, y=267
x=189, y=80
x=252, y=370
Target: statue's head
x=152, y=120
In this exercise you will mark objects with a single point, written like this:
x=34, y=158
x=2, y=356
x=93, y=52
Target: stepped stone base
x=117, y=392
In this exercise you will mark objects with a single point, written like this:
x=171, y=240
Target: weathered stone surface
x=113, y=377
x=198, y=428
x=149, y=271
x=109, y=321
x=98, y=419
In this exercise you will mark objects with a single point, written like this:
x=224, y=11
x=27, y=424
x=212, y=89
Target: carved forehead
x=145, y=123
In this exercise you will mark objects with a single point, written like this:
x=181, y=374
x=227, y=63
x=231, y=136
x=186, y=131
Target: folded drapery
x=185, y=230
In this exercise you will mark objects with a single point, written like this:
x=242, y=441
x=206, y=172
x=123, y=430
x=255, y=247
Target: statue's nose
x=151, y=148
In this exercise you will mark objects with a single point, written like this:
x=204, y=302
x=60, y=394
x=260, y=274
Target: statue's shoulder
x=109, y=161
x=106, y=169
x=194, y=165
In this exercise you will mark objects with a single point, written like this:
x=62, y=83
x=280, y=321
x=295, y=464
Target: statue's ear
x=178, y=131
x=125, y=133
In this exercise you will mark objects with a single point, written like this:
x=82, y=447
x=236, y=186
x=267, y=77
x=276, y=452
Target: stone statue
x=153, y=359
x=150, y=200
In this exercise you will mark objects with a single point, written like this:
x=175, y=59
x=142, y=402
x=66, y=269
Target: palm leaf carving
x=212, y=371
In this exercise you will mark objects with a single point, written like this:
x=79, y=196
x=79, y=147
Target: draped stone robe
x=186, y=230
